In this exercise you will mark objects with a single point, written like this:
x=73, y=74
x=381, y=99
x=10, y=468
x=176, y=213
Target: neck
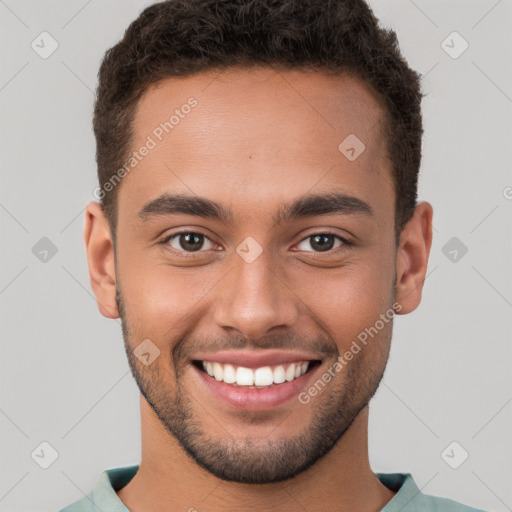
x=168, y=479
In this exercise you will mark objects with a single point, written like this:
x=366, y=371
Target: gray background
x=64, y=375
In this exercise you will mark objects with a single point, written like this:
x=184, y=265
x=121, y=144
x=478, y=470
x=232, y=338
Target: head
x=258, y=166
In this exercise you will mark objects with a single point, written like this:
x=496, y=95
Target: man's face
x=199, y=288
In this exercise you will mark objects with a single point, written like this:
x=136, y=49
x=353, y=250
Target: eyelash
x=193, y=254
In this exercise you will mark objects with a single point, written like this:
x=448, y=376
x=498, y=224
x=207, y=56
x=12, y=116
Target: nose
x=253, y=299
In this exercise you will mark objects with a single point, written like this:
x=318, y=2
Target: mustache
x=190, y=345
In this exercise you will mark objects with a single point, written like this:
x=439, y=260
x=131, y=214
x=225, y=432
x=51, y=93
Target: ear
x=412, y=258
x=100, y=259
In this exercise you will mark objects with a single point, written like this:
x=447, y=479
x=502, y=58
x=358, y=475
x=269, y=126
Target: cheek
x=162, y=302
x=350, y=300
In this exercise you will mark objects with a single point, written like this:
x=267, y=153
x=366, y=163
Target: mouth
x=255, y=378
x=256, y=388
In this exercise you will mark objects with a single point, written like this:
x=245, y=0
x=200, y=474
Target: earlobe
x=100, y=259
x=412, y=258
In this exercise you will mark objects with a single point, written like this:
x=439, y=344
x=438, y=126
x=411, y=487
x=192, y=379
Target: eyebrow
x=308, y=205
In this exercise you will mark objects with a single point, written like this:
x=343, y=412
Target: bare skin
x=258, y=139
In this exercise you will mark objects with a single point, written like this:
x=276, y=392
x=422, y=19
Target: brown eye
x=321, y=242
x=189, y=241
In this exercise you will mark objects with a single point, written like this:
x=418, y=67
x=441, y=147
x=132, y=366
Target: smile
x=261, y=383
x=262, y=377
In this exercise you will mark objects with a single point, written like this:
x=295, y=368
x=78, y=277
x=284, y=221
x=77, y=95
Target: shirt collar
x=112, y=480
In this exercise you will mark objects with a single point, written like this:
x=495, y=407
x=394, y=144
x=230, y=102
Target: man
x=258, y=230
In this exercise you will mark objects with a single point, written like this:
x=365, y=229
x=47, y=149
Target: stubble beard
x=256, y=460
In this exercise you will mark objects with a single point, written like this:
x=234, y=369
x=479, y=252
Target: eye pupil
x=191, y=241
x=322, y=242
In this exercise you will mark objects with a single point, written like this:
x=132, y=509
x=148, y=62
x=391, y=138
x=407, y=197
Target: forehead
x=257, y=135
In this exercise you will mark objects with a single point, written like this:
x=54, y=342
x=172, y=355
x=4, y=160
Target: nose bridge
x=251, y=298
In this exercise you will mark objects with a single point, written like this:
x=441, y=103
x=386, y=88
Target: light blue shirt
x=408, y=497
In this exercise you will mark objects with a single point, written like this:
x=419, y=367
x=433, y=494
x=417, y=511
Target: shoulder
x=103, y=497
x=409, y=498
x=79, y=506
x=438, y=504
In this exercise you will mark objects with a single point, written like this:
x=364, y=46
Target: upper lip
x=257, y=359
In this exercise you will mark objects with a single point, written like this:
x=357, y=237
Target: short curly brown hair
x=183, y=37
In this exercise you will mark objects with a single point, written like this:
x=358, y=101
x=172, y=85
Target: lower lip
x=241, y=397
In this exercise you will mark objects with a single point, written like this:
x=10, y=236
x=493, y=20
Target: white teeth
x=244, y=376
x=229, y=374
x=209, y=368
x=290, y=372
x=279, y=374
x=261, y=377
x=218, y=372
